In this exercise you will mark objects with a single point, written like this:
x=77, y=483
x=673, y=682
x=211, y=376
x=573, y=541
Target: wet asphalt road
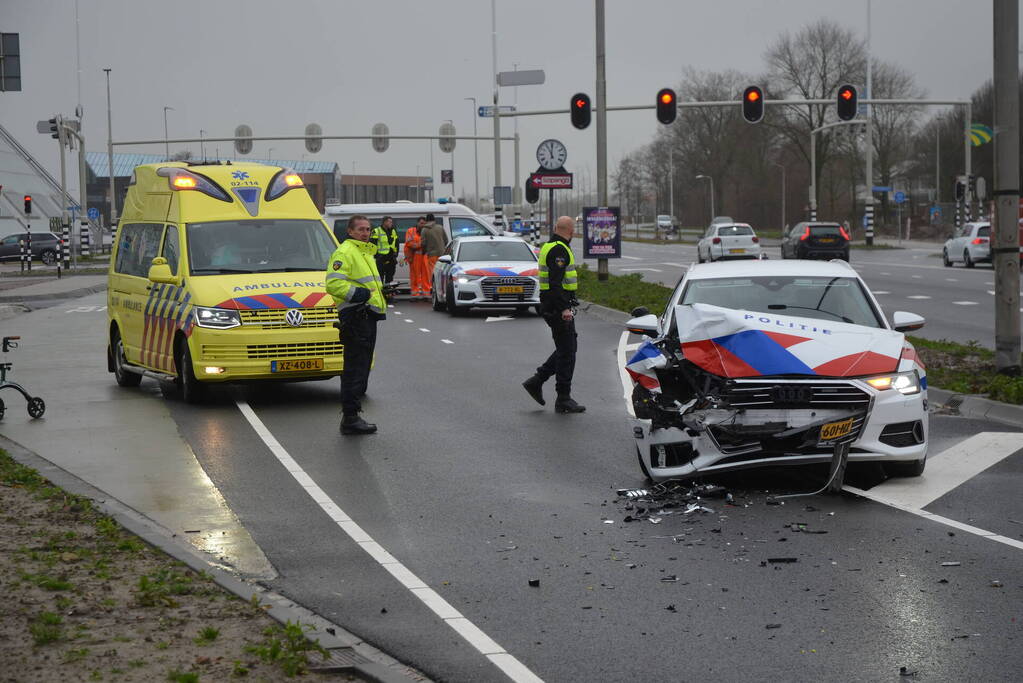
x=477, y=490
x=957, y=302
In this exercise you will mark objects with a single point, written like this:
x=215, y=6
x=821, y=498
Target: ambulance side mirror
x=160, y=272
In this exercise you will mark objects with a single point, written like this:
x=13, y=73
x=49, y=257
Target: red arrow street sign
x=551, y=181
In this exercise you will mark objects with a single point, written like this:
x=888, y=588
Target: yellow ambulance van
x=217, y=275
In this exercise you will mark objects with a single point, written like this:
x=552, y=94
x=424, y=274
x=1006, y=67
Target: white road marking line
x=408, y=320
x=886, y=273
x=918, y=296
x=965, y=303
x=918, y=277
x=881, y=291
x=423, y=329
x=498, y=318
x=632, y=258
x=991, y=292
x=951, y=468
x=632, y=270
x=397, y=312
x=447, y=341
x=486, y=646
x=948, y=279
x=676, y=265
x=990, y=284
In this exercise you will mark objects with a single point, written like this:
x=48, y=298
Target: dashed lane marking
x=676, y=265
x=86, y=309
x=991, y=292
x=965, y=303
x=423, y=329
x=918, y=277
x=881, y=291
x=632, y=258
x=918, y=296
x=409, y=320
x=498, y=318
x=483, y=644
x=951, y=279
x=447, y=341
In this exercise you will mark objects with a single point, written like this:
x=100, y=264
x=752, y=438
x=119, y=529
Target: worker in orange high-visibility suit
x=415, y=259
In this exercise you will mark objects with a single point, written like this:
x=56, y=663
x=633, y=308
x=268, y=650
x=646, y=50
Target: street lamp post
x=165, y=137
x=110, y=156
x=476, y=150
x=782, y=167
x=712, y=214
x=202, y=144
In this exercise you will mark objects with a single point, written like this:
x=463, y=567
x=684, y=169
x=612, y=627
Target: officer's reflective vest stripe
x=357, y=271
x=571, y=279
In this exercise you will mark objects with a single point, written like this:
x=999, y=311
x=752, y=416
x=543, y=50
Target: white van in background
x=457, y=220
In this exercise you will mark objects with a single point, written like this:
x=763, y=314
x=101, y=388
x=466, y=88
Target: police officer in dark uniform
x=559, y=281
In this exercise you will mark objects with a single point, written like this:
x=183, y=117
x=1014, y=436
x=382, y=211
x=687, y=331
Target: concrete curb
x=970, y=405
x=70, y=294
x=606, y=314
x=378, y=666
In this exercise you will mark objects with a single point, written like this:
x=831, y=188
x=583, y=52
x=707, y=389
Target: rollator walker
x=36, y=405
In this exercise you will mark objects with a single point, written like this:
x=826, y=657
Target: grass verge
x=90, y=601
x=962, y=368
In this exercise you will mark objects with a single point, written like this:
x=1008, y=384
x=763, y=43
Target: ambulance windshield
x=258, y=246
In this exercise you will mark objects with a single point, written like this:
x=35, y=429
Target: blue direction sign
x=93, y=213
x=487, y=111
x=900, y=197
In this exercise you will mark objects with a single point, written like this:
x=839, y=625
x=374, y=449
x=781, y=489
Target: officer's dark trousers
x=387, y=265
x=359, y=336
x=561, y=363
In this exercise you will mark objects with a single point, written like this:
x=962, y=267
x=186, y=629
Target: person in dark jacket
x=559, y=281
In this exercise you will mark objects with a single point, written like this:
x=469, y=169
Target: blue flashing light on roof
x=442, y=200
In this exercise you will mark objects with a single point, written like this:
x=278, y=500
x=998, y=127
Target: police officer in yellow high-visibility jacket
x=354, y=282
x=385, y=236
x=559, y=281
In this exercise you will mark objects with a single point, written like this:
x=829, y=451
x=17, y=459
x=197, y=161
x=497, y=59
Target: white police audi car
x=775, y=362
x=486, y=272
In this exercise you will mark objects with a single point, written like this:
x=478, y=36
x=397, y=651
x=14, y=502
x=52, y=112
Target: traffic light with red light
x=532, y=191
x=753, y=104
x=580, y=110
x=667, y=107
x=847, y=103
x=28, y=204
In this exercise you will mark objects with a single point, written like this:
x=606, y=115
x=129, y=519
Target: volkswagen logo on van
x=294, y=317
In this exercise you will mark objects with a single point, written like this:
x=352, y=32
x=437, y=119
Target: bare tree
x=812, y=64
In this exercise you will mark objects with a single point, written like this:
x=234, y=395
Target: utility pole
x=602, y=270
x=497, y=108
x=476, y=152
x=869, y=142
x=1006, y=234
x=110, y=156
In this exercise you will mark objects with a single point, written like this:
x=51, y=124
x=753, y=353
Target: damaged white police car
x=775, y=362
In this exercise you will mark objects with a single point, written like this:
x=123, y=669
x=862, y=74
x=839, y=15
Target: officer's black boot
x=534, y=387
x=566, y=404
x=354, y=424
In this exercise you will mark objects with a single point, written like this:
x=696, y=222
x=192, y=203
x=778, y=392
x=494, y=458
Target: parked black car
x=816, y=241
x=44, y=247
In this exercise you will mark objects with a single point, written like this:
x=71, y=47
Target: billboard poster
x=602, y=232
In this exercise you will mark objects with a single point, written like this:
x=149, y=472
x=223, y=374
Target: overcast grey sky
x=348, y=64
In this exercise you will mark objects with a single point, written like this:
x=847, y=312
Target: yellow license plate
x=517, y=289
x=298, y=365
x=736, y=251
x=827, y=239
x=835, y=430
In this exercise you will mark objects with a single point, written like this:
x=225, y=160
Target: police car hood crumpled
x=737, y=344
